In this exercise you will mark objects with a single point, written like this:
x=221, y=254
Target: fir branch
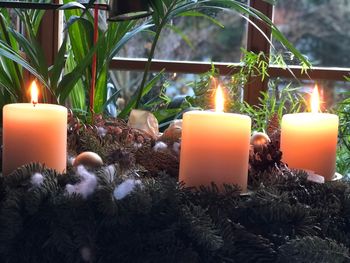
x=284, y=218
x=199, y=226
x=313, y=249
x=243, y=246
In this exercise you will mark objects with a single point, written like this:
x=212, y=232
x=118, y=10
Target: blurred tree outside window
x=320, y=29
x=195, y=39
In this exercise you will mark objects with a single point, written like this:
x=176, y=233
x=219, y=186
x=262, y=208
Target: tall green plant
x=110, y=41
x=343, y=156
x=288, y=101
x=12, y=60
x=70, y=75
x=272, y=103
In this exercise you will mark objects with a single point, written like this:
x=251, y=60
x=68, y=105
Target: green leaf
x=80, y=35
x=77, y=95
x=81, y=41
x=31, y=19
x=69, y=80
x=181, y=34
x=101, y=90
x=145, y=91
x=7, y=52
x=110, y=99
x=165, y=114
x=199, y=14
x=58, y=66
x=34, y=52
x=70, y=22
x=72, y=5
x=126, y=38
x=11, y=71
x=158, y=8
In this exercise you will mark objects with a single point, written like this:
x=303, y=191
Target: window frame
x=255, y=42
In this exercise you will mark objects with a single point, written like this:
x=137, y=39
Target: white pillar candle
x=215, y=148
x=309, y=140
x=34, y=133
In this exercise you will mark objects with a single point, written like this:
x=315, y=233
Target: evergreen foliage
x=284, y=218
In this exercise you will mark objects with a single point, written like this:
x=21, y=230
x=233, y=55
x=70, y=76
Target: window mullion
x=48, y=36
x=256, y=42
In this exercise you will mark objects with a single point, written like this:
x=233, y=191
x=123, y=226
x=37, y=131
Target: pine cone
x=124, y=157
x=158, y=161
x=273, y=129
x=264, y=157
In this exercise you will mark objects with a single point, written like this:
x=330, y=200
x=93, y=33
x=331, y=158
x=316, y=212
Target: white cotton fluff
x=85, y=254
x=86, y=186
x=101, y=131
x=125, y=188
x=160, y=146
x=37, y=179
x=176, y=147
x=138, y=145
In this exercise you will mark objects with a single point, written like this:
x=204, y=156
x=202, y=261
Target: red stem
x=94, y=62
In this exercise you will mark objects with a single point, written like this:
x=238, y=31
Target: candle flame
x=219, y=99
x=214, y=81
x=315, y=100
x=34, y=92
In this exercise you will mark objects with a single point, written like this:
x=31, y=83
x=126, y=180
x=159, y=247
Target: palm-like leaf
x=109, y=44
x=73, y=76
x=166, y=10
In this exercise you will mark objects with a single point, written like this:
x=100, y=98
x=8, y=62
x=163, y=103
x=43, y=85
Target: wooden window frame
x=255, y=42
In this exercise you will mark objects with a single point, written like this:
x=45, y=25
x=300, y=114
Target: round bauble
x=259, y=139
x=88, y=159
x=173, y=132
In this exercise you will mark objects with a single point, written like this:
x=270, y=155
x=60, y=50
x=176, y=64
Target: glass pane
x=173, y=87
x=203, y=41
x=331, y=92
x=320, y=29
x=129, y=81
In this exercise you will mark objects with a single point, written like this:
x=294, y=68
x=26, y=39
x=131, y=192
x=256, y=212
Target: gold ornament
x=145, y=121
x=173, y=132
x=88, y=159
x=259, y=139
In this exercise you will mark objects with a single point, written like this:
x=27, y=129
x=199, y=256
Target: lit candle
x=34, y=132
x=215, y=147
x=309, y=140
